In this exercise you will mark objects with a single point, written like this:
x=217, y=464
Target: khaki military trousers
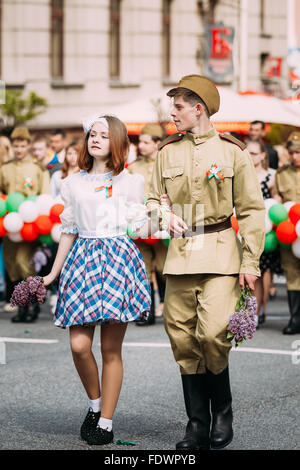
x=291, y=266
x=17, y=258
x=196, y=314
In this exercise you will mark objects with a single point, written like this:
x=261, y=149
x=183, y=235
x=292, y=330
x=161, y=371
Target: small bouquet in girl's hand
x=242, y=324
x=29, y=292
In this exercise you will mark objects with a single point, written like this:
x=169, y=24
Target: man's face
x=184, y=114
x=40, y=150
x=295, y=157
x=20, y=148
x=256, y=132
x=57, y=143
x=147, y=146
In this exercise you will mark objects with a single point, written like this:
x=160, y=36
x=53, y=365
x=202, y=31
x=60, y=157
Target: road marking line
x=28, y=340
x=252, y=350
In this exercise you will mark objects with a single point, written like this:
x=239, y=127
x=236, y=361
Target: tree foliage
x=18, y=109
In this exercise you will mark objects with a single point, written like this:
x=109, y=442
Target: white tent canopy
x=233, y=108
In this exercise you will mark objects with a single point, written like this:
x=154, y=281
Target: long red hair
x=119, y=147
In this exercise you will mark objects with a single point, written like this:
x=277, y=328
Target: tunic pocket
x=225, y=189
x=174, y=180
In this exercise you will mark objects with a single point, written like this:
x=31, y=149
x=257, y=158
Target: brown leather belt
x=211, y=228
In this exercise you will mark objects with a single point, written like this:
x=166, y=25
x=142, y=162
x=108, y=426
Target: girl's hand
x=165, y=201
x=49, y=279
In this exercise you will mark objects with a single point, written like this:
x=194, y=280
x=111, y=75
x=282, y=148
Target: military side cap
x=20, y=133
x=293, y=140
x=155, y=130
x=204, y=88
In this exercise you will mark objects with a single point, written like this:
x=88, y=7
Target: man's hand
x=247, y=280
x=177, y=226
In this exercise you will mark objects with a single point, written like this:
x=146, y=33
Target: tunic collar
x=200, y=138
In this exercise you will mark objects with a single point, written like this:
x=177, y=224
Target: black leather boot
x=197, y=408
x=21, y=315
x=220, y=395
x=151, y=318
x=32, y=313
x=293, y=326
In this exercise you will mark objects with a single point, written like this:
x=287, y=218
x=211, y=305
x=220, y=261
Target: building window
x=114, y=39
x=166, y=38
x=57, y=39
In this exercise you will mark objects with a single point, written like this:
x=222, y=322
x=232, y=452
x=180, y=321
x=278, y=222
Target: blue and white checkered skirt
x=102, y=280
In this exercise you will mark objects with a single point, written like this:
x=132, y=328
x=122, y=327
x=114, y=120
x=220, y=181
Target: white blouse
x=96, y=206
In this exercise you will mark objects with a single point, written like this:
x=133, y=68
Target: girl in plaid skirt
x=102, y=273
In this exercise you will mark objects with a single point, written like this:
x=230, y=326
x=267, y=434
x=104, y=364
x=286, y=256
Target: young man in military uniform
x=23, y=175
x=153, y=255
x=206, y=265
x=287, y=188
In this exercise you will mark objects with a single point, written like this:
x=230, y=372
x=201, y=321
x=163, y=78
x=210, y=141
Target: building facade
x=89, y=55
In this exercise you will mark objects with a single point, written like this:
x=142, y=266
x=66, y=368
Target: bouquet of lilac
x=242, y=324
x=29, y=292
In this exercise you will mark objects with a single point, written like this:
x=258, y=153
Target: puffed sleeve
x=67, y=216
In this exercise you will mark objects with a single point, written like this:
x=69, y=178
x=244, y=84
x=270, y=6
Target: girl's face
x=98, y=141
x=72, y=157
x=256, y=155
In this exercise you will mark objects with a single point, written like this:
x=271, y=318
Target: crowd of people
x=51, y=158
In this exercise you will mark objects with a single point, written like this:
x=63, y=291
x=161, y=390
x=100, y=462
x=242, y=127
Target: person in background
x=269, y=263
x=69, y=166
x=6, y=143
x=287, y=188
x=27, y=177
x=153, y=255
x=257, y=132
x=58, y=144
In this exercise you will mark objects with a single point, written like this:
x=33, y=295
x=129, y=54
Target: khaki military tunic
x=287, y=185
x=28, y=178
x=202, y=285
x=154, y=255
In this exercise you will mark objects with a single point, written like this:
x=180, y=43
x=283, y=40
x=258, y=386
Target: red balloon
x=28, y=232
x=152, y=241
x=294, y=213
x=3, y=230
x=43, y=224
x=3, y=196
x=55, y=212
x=234, y=223
x=286, y=232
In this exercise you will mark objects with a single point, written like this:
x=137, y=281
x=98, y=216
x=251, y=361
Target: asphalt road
x=43, y=402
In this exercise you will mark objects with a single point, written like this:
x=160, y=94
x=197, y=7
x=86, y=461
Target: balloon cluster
x=153, y=240
x=30, y=218
x=282, y=226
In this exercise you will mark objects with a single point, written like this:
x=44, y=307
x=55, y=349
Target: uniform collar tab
x=200, y=138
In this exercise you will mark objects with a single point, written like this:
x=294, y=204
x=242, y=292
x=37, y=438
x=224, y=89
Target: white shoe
x=9, y=309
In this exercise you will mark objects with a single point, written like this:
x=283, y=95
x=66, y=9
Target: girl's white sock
x=95, y=405
x=105, y=424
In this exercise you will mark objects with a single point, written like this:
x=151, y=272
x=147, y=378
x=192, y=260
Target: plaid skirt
x=102, y=280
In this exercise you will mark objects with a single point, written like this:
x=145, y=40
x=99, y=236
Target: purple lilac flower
x=29, y=292
x=242, y=324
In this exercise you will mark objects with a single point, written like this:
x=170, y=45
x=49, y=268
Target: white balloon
x=15, y=236
x=44, y=203
x=269, y=202
x=289, y=204
x=28, y=211
x=268, y=223
x=13, y=222
x=55, y=232
x=296, y=248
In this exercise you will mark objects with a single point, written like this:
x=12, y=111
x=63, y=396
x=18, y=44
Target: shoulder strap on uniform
x=233, y=140
x=169, y=140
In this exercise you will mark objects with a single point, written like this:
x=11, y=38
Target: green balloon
x=278, y=213
x=46, y=239
x=13, y=201
x=166, y=241
x=2, y=207
x=287, y=246
x=130, y=233
x=271, y=242
x=31, y=198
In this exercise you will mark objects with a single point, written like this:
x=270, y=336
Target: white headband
x=88, y=123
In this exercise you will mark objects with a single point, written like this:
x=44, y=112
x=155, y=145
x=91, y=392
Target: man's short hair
x=41, y=138
x=189, y=96
x=59, y=132
x=263, y=125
